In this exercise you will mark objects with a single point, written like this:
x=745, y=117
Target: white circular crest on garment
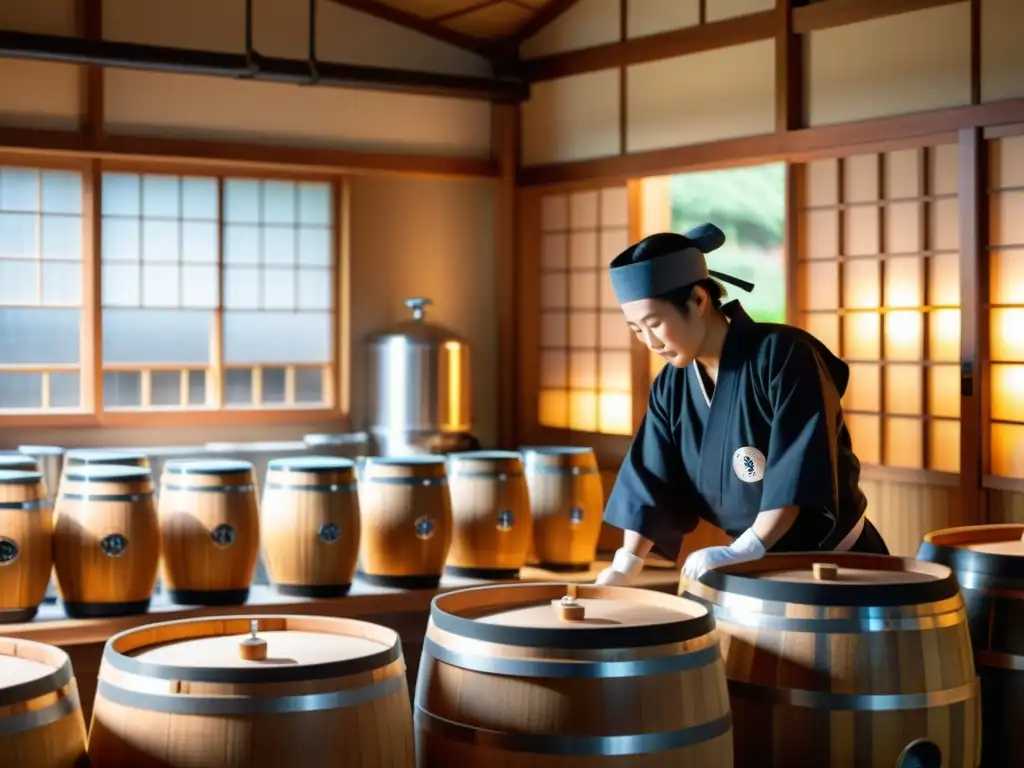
x=748, y=464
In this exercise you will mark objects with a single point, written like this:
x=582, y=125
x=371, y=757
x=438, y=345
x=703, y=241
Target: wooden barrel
x=845, y=660
x=41, y=722
x=309, y=525
x=209, y=531
x=253, y=692
x=567, y=504
x=406, y=513
x=549, y=675
x=491, y=525
x=106, y=541
x=103, y=456
x=26, y=544
x=988, y=561
x=18, y=461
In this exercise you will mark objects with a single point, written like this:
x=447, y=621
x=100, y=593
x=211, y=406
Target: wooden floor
x=405, y=611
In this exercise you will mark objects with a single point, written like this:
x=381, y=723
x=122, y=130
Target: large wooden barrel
x=26, y=544
x=212, y=693
x=845, y=660
x=406, y=513
x=988, y=561
x=549, y=675
x=567, y=504
x=104, y=456
x=209, y=531
x=309, y=525
x=41, y=722
x=106, y=541
x=491, y=525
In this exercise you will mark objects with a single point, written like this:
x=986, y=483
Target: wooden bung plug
x=825, y=571
x=567, y=607
x=253, y=648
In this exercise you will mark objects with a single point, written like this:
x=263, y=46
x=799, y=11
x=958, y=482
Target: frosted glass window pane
x=315, y=247
x=199, y=287
x=199, y=242
x=277, y=337
x=160, y=196
x=279, y=245
x=241, y=244
x=19, y=189
x=553, y=329
x=121, y=285
x=121, y=194
x=315, y=203
x=241, y=288
x=65, y=391
x=314, y=289
x=165, y=388
x=554, y=249
x=309, y=386
x=161, y=285
x=273, y=385
x=39, y=335
x=17, y=236
x=122, y=389
x=62, y=192
x=160, y=241
x=238, y=386
x=199, y=199
x=121, y=240
x=241, y=201
x=18, y=282
x=197, y=388
x=156, y=336
x=279, y=289
x=21, y=390
x=62, y=283
x=61, y=238
x=278, y=202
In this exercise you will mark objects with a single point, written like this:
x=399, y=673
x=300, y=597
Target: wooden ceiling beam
x=837, y=13
x=547, y=14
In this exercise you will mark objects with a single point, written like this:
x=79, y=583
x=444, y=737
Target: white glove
x=624, y=569
x=746, y=548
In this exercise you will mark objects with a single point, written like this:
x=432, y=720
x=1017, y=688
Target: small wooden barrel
x=492, y=529
x=253, y=692
x=567, y=504
x=844, y=660
x=209, y=531
x=406, y=513
x=103, y=456
x=988, y=561
x=41, y=722
x=26, y=545
x=18, y=461
x=106, y=541
x=309, y=525
x=544, y=674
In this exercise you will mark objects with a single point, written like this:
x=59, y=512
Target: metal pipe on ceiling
x=252, y=65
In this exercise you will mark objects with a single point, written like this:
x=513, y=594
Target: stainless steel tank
x=419, y=387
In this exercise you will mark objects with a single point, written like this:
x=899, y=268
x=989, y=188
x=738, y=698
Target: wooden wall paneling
x=838, y=13
x=505, y=124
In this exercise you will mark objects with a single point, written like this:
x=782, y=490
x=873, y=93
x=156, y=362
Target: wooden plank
x=389, y=13
x=837, y=13
x=505, y=146
x=679, y=42
x=789, y=70
x=547, y=14
x=880, y=134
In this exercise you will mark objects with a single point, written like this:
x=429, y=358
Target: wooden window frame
x=91, y=413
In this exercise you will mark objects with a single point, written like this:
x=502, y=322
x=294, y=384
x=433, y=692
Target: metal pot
x=419, y=386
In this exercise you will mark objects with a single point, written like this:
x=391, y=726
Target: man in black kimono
x=744, y=426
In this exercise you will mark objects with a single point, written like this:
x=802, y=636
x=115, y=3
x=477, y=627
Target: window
x=585, y=368
x=1006, y=313
x=40, y=289
x=879, y=274
x=216, y=292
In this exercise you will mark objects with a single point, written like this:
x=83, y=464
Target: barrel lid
x=42, y=450
x=207, y=467
x=19, y=476
x=614, y=617
x=485, y=455
x=103, y=456
x=341, y=438
x=17, y=461
x=311, y=464
x=298, y=648
x=102, y=473
x=555, y=450
x=857, y=579
x=15, y=670
x=404, y=461
x=416, y=331
x=996, y=550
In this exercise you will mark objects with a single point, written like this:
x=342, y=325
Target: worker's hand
x=624, y=569
x=746, y=548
